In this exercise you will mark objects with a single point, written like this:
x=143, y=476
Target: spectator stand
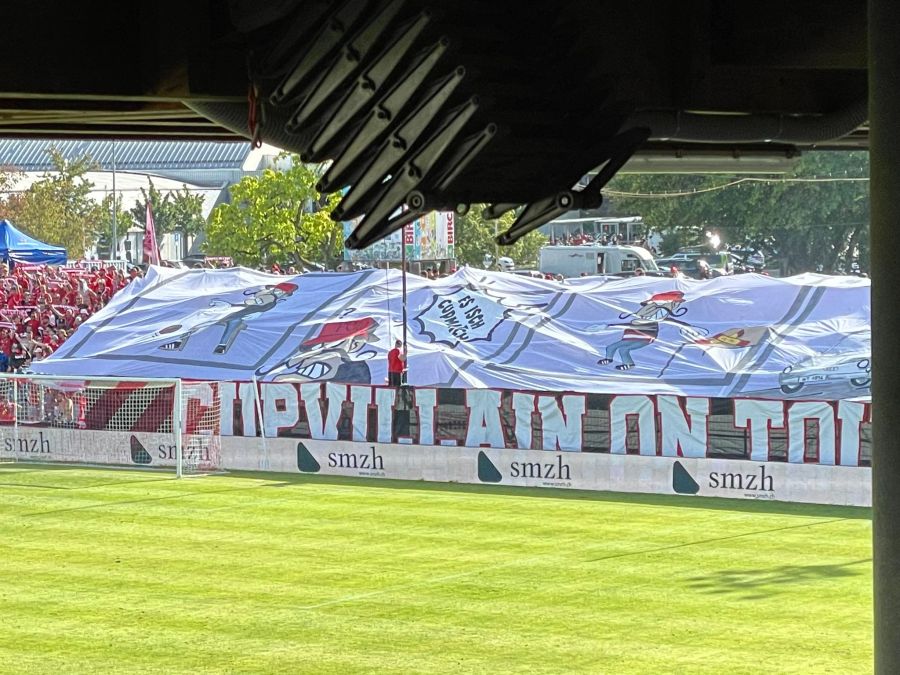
x=42, y=305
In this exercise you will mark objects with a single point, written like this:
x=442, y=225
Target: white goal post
x=119, y=421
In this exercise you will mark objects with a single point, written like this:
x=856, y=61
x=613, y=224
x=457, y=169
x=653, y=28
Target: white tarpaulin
x=802, y=337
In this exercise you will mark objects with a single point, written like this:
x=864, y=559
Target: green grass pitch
x=129, y=572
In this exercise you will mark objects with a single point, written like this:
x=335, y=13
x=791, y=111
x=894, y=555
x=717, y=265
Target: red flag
x=151, y=248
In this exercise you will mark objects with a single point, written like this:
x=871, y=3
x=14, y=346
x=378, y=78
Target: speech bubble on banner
x=465, y=315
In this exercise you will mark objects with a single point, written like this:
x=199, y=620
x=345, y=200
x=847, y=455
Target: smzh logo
x=553, y=473
x=365, y=463
x=139, y=454
x=755, y=485
x=166, y=451
x=36, y=445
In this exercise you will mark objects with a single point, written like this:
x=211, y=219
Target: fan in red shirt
x=34, y=321
x=52, y=341
x=5, y=341
x=396, y=365
x=14, y=299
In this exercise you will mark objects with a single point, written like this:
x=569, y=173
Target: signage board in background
x=387, y=249
x=431, y=237
x=689, y=477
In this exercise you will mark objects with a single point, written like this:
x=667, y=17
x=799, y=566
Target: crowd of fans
x=585, y=238
x=42, y=305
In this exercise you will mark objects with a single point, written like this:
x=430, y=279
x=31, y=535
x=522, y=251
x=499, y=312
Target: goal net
x=201, y=440
x=151, y=423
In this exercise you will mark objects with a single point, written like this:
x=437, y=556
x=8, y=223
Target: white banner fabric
x=803, y=337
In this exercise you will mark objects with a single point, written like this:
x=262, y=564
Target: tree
x=58, y=208
x=10, y=199
x=476, y=237
x=178, y=211
x=322, y=239
x=819, y=223
x=817, y=215
x=278, y=216
x=124, y=221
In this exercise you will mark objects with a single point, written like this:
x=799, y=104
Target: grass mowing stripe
x=227, y=581
x=528, y=561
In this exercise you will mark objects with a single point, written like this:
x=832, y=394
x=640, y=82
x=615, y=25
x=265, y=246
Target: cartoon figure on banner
x=338, y=352
x=643, y=329
x=232, y=316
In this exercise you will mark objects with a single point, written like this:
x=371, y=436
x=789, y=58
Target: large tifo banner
x=805, y=337
x=444, y=420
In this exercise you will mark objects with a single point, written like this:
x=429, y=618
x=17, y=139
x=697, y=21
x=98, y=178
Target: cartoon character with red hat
x=337, y=352
x=233, y=316
x=643, y=329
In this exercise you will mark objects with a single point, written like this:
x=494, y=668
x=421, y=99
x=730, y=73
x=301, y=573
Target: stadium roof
x=31, y=155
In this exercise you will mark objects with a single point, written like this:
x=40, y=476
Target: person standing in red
x=5, y=341
x=33, y=321
x=110, y=282
x=14, y=298
x=52, y=341
x=396, y=364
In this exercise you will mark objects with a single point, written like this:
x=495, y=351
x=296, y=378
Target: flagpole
x=403, y=287
x=114, y=244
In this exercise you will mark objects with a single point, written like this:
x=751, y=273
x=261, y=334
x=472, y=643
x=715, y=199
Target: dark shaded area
x=884, y=104
x=427, y=104
x=758, y=584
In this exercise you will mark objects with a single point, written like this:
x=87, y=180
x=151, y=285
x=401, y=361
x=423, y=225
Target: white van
x=576, y=261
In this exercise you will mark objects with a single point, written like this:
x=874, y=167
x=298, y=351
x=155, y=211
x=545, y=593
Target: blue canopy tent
x=16, y=247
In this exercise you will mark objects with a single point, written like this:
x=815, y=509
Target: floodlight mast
x=114, y=244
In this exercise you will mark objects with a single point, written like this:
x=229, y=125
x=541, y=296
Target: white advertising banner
x=804, y=338
x=527, y=468
x=735, y=479
x=77, y=446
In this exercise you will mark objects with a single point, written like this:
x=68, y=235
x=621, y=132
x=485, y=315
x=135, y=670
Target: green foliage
x=475, y=237
x=58, y=208
x=124, y=221
x=321, y=239
x=175, y=211
x=10, y=200
x=277, y=217
x=806, y=223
